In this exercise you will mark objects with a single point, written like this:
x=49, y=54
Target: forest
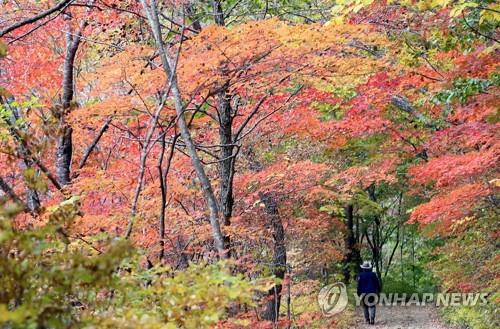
x=217, y=163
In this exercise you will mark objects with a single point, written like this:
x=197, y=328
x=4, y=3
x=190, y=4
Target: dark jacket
x=368, y=283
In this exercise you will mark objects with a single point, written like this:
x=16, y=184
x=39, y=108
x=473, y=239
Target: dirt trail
x=403, y=317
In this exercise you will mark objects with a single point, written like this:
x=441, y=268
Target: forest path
x=403, y=317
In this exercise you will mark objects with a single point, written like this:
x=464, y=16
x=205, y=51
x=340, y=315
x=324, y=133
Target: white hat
x=366, y=265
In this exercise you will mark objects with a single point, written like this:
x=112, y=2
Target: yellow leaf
x=495, y=182
x=457, y=10
x=3, y=49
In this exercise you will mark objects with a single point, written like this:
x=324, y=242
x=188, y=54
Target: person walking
x=368, y=289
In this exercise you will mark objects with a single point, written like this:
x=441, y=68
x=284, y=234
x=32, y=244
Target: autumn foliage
x=387, y=107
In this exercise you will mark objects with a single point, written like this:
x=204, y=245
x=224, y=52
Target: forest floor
x=403, y=317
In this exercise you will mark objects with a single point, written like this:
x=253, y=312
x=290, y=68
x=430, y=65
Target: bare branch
x=404, y=105
x=92, y=145
x=4, y=186
x=63, y=4
x=269, y=114
x=249, y=117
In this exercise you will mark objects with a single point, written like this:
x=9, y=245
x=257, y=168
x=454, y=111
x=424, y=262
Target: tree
x=170, y=67
x=297, y=135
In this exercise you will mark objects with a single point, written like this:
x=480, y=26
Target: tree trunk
x=218, y=12
x=278, y=265
x=163, y=173
x=32, y=198
x=226, y=162
x=64, y=148
x=192, y=16
x=352, y=256
x=376, y=239
x=9, y=192
x=163, y=204
x=64, y=153
x=153, y=122
x=226, y=140
x=169, y=67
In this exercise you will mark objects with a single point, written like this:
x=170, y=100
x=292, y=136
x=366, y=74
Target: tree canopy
x=194, y=163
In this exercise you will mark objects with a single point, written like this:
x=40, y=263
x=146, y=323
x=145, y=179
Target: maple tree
x=293, y=139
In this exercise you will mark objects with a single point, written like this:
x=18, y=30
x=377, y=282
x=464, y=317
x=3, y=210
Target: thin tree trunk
x=142, y=164
x=163, y=204
x=401, y=254
x=413, y=260
x=377, y=246
x=218, y=12
x=392, y=254
x=5, y=187
x=163, y=174
x=192, y=16
x=278, y=265
x=92, y=145
x=169, y=66
x=352, y=254
x=32, y=198
x=289, y=297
